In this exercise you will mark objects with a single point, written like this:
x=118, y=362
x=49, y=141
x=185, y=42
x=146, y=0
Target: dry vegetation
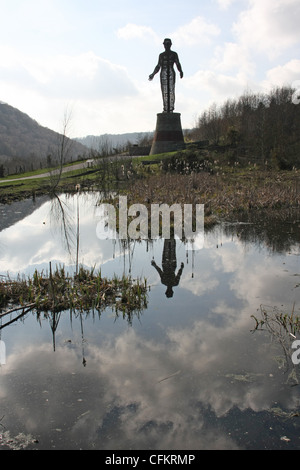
x=222, y=194
x=85, y=291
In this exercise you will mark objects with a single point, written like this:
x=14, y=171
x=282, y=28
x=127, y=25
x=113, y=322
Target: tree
x=63, y=149
x=258, y=125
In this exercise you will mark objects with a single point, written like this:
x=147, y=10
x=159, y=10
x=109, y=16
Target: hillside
x=256, y=127
x=25, y=145
x=107, y=143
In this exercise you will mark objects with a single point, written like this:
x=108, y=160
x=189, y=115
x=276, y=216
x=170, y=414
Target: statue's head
x=169, y=292
x=167, y=42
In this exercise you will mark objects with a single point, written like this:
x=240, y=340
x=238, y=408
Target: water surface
x=188, y=373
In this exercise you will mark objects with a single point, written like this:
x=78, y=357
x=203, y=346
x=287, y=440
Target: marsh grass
x=277, y=322
x=224, y=185
x=283, y=327
x=221, y=193
x=85, y=291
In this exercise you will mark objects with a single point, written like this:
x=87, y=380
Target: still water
x=187, y=373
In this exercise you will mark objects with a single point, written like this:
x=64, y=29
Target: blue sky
x=94, y=57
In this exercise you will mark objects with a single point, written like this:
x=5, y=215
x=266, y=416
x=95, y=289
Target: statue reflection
x=168, y=274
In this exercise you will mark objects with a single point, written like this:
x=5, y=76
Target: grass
x=223, y=195
x=15, y=190
x=85, y=291
x=189, y=177
x=34, y=173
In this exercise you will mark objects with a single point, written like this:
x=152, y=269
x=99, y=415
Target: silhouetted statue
x=169, y=264
x=166, y=63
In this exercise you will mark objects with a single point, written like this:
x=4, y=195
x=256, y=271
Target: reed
x=221, y=193
x=84, y=291
x=276, y=322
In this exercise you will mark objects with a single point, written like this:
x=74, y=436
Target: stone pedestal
x=168, y=135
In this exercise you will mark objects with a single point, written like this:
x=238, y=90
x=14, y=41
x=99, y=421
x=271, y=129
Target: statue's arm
x=156, y=70
x=178, y=65
x=157, y=268
x=178, y=276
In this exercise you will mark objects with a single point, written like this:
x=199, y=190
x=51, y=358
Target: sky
x=91, y=59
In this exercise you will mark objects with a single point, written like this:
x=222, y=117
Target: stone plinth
x=168, y=134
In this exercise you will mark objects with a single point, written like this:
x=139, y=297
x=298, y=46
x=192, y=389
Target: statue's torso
x=167, y=59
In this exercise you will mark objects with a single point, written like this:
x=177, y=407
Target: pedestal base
x=168, y=134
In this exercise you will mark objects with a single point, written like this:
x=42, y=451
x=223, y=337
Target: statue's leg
x=164, y=89
x=172, y=90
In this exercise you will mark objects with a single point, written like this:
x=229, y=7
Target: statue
x=166, y=63
x=167, y=274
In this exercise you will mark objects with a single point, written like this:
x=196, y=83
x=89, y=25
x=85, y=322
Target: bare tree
x=62, y=152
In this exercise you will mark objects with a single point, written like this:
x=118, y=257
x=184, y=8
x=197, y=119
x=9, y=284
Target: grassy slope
x=14, y=190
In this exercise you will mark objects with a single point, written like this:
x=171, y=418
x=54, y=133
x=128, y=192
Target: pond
x=188, y=372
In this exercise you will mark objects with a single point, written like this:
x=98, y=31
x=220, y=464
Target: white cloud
x=34, y=17
x=198, y=32
x=282, y=74
x=225, y=4
x=41, y=88
x=208, y=283
x=232, y=56
x=84, y=76
x=8, y=56
x=220, y=86
x=133, y=31
x=269, y=26
x=71, y=77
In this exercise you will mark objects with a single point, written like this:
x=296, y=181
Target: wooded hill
x=108, y=144
x=26, y=146
x=260, y=128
